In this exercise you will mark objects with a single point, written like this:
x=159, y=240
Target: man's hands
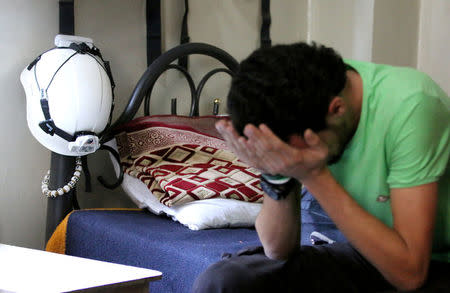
x=262, y=149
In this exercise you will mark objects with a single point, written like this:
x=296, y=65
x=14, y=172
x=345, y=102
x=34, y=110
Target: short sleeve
x=418, y=142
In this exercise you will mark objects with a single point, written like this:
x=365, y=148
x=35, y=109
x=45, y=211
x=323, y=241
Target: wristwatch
x=276, y=186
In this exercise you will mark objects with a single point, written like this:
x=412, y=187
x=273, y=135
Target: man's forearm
x=381, y=245
x=278, y=225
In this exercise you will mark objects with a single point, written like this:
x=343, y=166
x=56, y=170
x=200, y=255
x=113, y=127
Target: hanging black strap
x=184, y=37
x=117, y=157
x=265, y=26
x=153, y=18
x=153, y=13
x=66, y=17
x=87, y=174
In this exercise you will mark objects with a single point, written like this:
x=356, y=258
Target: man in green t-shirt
x=370, y=142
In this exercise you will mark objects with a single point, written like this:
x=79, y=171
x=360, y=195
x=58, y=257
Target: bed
x=168, y=237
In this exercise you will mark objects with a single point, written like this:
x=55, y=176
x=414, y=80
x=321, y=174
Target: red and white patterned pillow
x=179, y=163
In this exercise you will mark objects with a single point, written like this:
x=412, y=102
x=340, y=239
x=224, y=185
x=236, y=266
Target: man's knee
x=224, y=276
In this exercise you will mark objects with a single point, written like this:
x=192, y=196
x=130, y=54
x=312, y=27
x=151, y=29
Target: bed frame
x=62, y=166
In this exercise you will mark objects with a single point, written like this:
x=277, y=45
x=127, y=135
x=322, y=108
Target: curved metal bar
x=158, y=66
x=188, y=78
x=202, y=83
x=120, y=179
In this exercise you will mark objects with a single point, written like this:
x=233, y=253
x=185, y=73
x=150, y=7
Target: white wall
x=345, y=25
x=396, y=46
x=381, y=31
x=434, y=41
x=26, y=29
x=401, y=32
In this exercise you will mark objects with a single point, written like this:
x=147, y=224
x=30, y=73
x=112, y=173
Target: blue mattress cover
x=140, y=238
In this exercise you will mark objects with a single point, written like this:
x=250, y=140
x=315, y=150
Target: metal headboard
x=145, y=85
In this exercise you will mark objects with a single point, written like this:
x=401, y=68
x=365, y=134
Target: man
x=370, y=142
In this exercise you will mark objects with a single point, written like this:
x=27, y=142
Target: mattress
x=140, y=238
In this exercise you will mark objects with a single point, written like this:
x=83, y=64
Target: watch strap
x=277, y=191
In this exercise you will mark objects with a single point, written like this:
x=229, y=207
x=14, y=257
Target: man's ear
x=337, y=106
x=336, y=109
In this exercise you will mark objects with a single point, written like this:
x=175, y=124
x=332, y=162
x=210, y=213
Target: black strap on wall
x=265, y=26
x=184, y=37
x=66, y=17
x=153, y=16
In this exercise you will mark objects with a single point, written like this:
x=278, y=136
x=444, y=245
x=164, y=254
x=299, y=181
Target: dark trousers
x=336, y=267
x=322, y=268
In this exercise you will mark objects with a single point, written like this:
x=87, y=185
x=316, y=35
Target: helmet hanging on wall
x=69, y=91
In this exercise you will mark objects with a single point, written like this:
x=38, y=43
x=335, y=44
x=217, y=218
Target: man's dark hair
x=287, y=87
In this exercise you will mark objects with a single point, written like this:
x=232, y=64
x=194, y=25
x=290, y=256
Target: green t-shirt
x=402, y=140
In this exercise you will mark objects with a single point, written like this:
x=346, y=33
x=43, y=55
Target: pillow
x=180, y=164
x=197, y=214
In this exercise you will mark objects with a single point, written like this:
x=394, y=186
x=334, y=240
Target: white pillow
x=196, y=215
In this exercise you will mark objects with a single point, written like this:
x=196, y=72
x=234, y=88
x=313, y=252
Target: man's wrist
x=316, y=177
x=277, y=186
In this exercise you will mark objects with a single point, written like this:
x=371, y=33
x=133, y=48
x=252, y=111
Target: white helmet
x=69, y=92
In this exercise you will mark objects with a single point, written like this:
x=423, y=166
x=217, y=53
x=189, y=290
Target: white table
x=29, y=270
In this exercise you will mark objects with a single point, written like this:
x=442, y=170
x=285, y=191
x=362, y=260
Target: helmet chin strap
x=48, y=125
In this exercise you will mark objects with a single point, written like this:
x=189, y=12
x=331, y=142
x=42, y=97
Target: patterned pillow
x=179, y=163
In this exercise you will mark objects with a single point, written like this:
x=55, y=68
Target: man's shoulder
x=401, y=80
x=405, y=80
x=391, y=87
